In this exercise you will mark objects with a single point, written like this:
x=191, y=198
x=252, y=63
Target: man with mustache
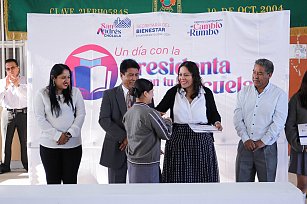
x=259, y=117
x=114, y=105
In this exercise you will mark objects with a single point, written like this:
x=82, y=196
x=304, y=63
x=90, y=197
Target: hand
x=8, y=82
x=259, y=144
x=63, y=139
x=249, y=145
x=218, y=125
x=162, y=113
x=167, y=118
x=15, y=80
x=123, y=145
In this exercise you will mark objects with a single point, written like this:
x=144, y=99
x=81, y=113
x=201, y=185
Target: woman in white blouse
x=190, y=156
x=59, y=110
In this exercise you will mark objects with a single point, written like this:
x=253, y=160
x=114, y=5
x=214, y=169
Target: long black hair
x=140, y=86
x=302, y=93
x=56, y=70
x=193, y=69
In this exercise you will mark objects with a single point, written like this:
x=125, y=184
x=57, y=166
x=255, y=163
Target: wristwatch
x=68, y=134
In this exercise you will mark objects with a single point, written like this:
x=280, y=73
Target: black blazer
x=112, y=109
x=169, y=100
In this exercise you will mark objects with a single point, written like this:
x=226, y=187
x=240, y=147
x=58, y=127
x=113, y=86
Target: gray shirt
x=145, y=128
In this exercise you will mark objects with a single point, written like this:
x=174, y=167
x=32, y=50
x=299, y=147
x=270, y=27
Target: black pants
x=19, y=121
x=61, y=165
x=118, y=175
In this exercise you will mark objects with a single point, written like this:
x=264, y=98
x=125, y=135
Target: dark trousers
x=61, y=165
x=19, y=121
x=118, y=175
x=263, y=162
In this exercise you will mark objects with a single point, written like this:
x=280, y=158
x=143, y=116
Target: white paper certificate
x=203, y=128
x=302, y=132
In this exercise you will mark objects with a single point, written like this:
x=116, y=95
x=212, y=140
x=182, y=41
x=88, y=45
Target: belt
x=16, y=110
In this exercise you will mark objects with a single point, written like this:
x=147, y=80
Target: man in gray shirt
x=259, y=117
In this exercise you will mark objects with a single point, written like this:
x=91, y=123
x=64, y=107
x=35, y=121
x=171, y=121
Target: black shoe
x=4, y=169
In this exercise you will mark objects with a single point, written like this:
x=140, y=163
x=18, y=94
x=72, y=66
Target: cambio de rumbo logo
x=93, y=70
x=205, y=28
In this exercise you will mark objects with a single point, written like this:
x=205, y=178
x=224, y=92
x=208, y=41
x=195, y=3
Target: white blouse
x=52, y=127
x=186, y=112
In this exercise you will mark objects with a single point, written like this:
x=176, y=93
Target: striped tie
x=128, y=100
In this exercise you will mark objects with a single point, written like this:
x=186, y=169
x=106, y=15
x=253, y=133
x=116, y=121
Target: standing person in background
x=190, y=157
x=13, y=94
x=145, y=129
x=259, y=117
x=114, y=105
x=60, y=112
x=297, y=114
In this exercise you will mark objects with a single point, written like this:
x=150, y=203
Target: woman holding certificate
x=297, y=114
x=190, y=155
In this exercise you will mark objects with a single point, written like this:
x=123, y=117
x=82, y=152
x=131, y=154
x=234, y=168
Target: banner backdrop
x=225, y=46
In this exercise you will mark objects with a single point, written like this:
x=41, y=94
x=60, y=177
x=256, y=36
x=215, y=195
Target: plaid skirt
x=298, y=163
x=189, y=157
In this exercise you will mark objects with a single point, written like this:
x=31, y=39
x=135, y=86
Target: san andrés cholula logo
x=114, y=30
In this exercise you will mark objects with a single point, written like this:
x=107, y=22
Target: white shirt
x=52, y=127
x=125, y=92
x=13, y=97
x=260, y=116
x=186, y=112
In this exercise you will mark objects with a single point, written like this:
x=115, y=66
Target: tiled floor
x=15, y=177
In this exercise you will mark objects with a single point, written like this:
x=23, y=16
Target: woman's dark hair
x=193, y=69
x=56, y=70
x=302, y=93
x=140, y=86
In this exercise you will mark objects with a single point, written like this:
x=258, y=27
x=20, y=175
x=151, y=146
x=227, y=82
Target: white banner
x=225, y=45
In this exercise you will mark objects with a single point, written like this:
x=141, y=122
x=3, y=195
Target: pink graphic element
x=94, y=70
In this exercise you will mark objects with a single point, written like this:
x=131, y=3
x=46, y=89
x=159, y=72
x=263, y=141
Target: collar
x=265, y=88
x=140, y=104
x=125, y=90
x=182, y=92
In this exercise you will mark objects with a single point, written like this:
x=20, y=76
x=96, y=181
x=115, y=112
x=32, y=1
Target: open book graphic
x=91, y=75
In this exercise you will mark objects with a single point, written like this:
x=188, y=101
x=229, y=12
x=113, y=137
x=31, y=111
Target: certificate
x=302, y=132
x=200, y=128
